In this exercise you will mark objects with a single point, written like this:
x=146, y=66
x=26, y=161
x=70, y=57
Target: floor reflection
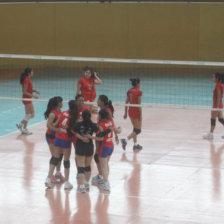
x=82, y=214
x=28, y=159
x=133, y=186
x=60, y=213
x=216, y=154
x=101, y=209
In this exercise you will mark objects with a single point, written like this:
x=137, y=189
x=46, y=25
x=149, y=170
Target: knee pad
x=81, y=170
x=96, y=158
x=54, y=161
x=61, y=156
x=66, y=164
x=27, y=117
x=137, y=131
x=87, y=169
x=221, y=120
x=213, y=121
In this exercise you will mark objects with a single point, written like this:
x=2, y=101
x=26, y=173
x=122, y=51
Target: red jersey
x=133, y=95
x=87, y=88
x=27, y=82
x=108, y=139
x=63, y=122
x=218, y=87
x=83, y=108
x=56, y=113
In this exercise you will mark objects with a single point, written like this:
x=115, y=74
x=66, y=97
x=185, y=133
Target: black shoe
x=137, y=147
x=124, y=143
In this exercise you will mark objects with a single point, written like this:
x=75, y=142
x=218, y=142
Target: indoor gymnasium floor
x=178, y=178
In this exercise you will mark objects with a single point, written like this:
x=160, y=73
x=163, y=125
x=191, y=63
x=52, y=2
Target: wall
x=144, y=31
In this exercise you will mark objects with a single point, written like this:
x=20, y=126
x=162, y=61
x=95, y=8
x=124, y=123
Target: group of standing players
x=75, y=126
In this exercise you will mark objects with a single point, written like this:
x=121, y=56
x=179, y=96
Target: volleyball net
x=178, y=84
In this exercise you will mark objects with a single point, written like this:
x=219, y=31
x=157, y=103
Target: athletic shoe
x=82, y=189
x=54, y=180
x=26, y=132
x=48, y=182
x=105, y=186
x=208, y=136
x=59, y=177
x=97, y=180
x=137, y=147
x=68, y=186
x=124, y=143
x=20, y=127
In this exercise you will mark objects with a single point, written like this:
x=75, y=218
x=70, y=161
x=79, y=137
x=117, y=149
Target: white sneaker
x=208, y=136
x=82, y=189
x=48, y=182
x=19, y=126
x=97, y=179
x=68, y=186
x=59, y=177
x=105, y=186
x=26, y=132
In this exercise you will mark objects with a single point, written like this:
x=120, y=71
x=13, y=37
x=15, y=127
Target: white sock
x=58, y=173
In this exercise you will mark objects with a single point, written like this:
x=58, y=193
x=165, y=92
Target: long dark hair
x=107, y=103
x=219, y=76
x=24, y=74
x=86, y=116
x=73, y=113
x=135, y=81
x=52, y=104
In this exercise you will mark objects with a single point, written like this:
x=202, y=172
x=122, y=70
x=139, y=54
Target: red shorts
x=134, y=113
x=26, y=102
x=89, y=97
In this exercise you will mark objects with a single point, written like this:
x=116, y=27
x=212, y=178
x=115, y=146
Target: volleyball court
x=176, y=178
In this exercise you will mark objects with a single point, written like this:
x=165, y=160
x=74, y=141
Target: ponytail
x=111, y=107
x=107, y=103
x=86, y=116
x=52, y=104
x=73, y=113
x=24, y=74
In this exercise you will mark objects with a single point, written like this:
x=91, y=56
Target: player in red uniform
x=62, y=143
x=103, y=103
x=86, y=85
x=27, y=88
x=218, y=78
x=134, y=96
x=106, y=147
x=53, y=116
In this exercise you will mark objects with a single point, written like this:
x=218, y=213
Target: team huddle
x=75, y=126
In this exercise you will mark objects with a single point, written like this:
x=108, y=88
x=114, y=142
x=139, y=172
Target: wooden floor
x=178, y=178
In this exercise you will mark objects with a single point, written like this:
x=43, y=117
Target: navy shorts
x=104, y=152
x=65, y=144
